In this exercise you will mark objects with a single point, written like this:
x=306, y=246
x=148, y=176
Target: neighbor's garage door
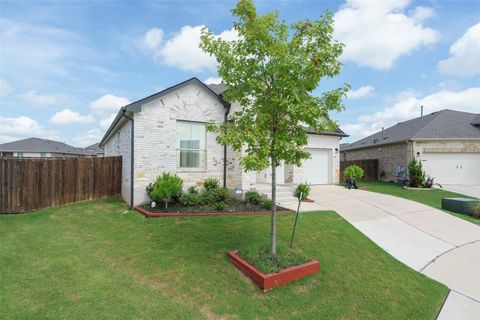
x=317, y=168
x=453, y=168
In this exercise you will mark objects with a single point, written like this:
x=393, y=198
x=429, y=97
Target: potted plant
x=352, y=173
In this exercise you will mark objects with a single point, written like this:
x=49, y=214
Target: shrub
x=190, y=199
x=221, y=206
x=416, y=176
x=353, y=172
x=192, y=190
x=303, y=189
x=166, y=188
x=428, y=183
x=211, y=184
x=215, y=196
x=267, y=204
x=476, y=210
x=253, y=197
x=383, y=174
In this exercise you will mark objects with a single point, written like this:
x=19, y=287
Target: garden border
x=149, y=214
x=277, y=279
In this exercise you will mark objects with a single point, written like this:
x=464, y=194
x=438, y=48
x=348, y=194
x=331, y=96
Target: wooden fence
x=32, y=184
x=369, y=166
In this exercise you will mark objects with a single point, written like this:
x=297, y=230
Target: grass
x=97, y=260
x=259, y=255
x=432, y=198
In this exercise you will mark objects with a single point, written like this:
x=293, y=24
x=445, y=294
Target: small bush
x=215, y=196
x=190, y=199
x=416, y=176
x=353, y=172
x=303, y=189
x=476, y=210
x=267, y=204
x=428, y=183
x=166, y=188
x=221, y=206
x=192, y=190
x=253, y=197
x=211, y=183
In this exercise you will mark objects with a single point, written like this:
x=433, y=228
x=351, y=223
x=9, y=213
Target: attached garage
x=317, y=169
x=453, y=168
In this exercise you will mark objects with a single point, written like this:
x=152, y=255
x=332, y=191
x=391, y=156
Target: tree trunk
x=273, y=248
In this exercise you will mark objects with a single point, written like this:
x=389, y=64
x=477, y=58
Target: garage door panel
x=317, y=168
x=453, y=168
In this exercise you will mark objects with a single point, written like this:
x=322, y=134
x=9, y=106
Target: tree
x=271, y=71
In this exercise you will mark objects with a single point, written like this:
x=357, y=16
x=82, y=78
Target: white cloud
x=23, y=127
x=182, y=49
x=108, y=103
x=68, y=116
x=32, y=98
x=465, y=55
x=5, y=88
x=408, y=107
x=214, y=80
x=362, y=92
x=87, y=138
x=107, y=121
x=377, y=33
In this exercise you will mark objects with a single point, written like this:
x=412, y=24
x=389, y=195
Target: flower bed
x=275, y=279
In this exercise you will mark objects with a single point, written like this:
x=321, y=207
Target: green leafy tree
x=272, y=70
x=353, y=172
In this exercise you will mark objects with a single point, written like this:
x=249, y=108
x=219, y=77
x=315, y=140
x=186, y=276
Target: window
x=19, y=154
x=190, y=144
x=43, y=154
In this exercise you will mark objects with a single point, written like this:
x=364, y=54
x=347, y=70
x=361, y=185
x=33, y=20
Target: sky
x=66, y=67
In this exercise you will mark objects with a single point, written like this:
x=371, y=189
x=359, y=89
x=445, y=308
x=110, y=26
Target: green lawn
x=431, y=198
x=96, y=260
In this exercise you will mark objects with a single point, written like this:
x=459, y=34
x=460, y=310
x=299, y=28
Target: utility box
x=459, y=205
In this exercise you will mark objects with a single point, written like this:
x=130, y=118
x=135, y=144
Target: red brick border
x=272, y=280
x=149, y=214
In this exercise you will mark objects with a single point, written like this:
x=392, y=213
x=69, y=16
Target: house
x=447, y=142
x=40, y=148
x=165, y=132
x=94, y=150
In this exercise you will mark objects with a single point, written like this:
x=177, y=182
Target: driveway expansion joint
x=449, y=250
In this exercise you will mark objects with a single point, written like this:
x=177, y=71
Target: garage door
x=317, y=168
x=453, y=168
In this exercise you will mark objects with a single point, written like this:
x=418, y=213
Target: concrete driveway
x=471, y=191
x=428, y=240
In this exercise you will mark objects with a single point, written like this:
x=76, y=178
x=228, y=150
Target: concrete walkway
x=471, y=191
x=428, y=240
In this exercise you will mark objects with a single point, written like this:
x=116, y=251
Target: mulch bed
x=177, y=210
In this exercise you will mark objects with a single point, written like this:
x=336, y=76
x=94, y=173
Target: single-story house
x=166, y=132
x=94, y=150
x=447, y=142
x=41, y=148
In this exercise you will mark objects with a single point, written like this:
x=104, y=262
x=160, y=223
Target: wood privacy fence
x=369, y=166
x=32, y=184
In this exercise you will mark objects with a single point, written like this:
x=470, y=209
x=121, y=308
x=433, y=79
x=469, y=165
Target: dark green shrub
x=215, y=196
x=353, y=172
x=221, y=206
x=190, y=199
x=267, y=204
x=303, y=189
x=416, y=176
x=253, y=197
x=166, y=188
x=192, y=190
x=476, y=210
x=211, y=183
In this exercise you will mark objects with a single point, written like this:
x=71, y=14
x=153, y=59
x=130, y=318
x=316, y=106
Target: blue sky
x=66, y=67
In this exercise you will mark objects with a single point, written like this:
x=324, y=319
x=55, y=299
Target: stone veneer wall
x=389, y=156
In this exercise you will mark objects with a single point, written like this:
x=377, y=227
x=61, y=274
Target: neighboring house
x=167, y=132
x=94, y=150
x=447, y=142
x=40, y=148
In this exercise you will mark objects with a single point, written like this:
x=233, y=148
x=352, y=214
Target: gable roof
x=218, y=88
x=94, y=149
x=137, y=105
x=444, y=124
x=40, y=145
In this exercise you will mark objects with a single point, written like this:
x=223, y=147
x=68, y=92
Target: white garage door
x=453, y=168
x=317, y=168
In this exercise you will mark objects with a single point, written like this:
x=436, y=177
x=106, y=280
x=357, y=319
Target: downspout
x=225, y=152
x=131, y=159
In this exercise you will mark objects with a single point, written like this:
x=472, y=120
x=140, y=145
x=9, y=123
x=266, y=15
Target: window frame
x=201, y=151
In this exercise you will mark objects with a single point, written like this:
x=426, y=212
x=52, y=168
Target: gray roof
x=218, y=88
x=94, y=149
x=444, y=124
x=40, y=145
